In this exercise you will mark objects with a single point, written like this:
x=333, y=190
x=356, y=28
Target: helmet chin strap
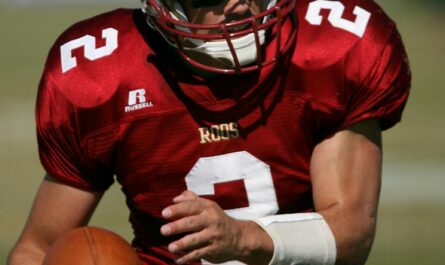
x=245, y=47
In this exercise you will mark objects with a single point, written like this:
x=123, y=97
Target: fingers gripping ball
x=91, y=246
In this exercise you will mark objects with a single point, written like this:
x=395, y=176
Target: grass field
x=412, y=214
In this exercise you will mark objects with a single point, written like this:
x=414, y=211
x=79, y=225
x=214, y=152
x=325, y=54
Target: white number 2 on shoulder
x=336, y=9
x=90, y=51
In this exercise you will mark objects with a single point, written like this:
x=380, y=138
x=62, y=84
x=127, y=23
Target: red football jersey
x=114, y=100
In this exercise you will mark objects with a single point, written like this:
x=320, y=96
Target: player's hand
x=211, y=234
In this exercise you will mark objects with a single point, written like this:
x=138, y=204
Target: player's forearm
x=346, y=177
x=354, y=231
x=26, y=254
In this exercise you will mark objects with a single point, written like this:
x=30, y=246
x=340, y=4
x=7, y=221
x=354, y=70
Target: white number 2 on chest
x=256, y=175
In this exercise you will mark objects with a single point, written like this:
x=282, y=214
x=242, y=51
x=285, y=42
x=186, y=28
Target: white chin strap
x=245, y=47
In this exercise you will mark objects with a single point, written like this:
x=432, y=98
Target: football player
x=241, y=131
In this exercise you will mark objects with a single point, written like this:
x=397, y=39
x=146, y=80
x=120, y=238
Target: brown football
x=91, y=246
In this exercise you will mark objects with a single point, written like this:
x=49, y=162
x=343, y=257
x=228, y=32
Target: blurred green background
x=412, y=210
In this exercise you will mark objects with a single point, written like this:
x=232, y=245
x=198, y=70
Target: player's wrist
x=301, y=238
x=256, y=246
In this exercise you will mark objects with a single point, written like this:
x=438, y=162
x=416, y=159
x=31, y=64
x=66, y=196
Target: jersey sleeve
x=61, y=149
x=380, y=93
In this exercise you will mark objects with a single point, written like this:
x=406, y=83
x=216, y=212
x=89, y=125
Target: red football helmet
x=233, y=47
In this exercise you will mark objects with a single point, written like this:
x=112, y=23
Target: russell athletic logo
x=137, y=100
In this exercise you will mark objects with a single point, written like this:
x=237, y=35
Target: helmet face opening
x=233, y=47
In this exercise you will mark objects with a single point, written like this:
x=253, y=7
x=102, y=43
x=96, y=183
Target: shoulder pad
x=85, y=61
x=330, y=29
